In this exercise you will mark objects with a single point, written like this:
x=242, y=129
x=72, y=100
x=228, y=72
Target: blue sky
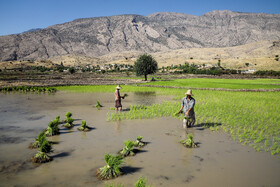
x=17, y=16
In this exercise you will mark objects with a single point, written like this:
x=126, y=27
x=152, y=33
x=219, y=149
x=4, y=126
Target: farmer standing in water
x=188, y=103
x=118, y=97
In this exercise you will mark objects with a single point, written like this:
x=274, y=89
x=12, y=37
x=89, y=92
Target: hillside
x=95, y=37
x=258, y=55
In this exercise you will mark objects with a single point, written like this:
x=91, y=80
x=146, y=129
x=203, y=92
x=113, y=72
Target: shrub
x=72, y=70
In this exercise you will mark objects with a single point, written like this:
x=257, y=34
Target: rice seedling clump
x=68, y=115
x=112, y=169
x=141, y=182
x=38, y=141
x=68, y=120
x=128, y=149
x=84, y=127
x=98, y=105
x=53, y=127
x=189, y=142
x=125, y=95
x=139, y=142
x=41, y=156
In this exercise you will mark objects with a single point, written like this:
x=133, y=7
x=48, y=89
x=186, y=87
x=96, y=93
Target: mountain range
x=94, y=37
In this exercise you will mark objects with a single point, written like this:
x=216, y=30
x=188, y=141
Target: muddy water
x=218, y=161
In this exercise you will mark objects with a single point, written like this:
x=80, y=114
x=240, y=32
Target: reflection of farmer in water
x=118, y=97
x=188, y=103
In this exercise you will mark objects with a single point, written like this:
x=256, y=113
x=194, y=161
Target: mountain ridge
x=157, y=32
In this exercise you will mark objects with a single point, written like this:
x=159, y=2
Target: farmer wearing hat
x=118, y=97
x=188, y=103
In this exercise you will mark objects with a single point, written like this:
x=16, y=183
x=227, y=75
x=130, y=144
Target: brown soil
x=61, y=79
x=88, y=78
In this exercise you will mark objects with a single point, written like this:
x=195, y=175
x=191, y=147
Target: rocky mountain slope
x=99, y=36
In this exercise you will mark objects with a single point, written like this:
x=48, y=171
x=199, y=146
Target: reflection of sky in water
x=17, y=108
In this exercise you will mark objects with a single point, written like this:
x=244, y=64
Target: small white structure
x=250, y=71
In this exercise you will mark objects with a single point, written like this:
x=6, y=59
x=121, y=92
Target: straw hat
x=119, y=87
x=189, y=92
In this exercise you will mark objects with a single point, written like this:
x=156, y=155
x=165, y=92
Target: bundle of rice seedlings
x=58, y=118
x=125, y=95
x=98, y=104
x=53, y=128
x=41, y=156
x=69, y=122
x=84, y=127
x=141, y=182
x=68, y=115
x=189, y=142
x=138, y=142
x=128, y=149
x=112, y=169
x=39, y=140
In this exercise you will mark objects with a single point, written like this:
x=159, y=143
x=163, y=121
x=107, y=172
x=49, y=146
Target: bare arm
x=187, y=113
x=117, y=95
x=181, y=109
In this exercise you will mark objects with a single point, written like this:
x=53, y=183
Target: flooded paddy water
x=218, y=161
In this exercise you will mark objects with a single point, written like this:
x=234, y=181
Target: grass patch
x=220, y=83
x=24, y=89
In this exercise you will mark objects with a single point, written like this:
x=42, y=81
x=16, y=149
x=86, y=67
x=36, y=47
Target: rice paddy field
x=252, y=118
x=221, y=83
x=237, y=134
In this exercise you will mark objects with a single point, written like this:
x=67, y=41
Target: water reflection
x=145, y=98
x=117, y=126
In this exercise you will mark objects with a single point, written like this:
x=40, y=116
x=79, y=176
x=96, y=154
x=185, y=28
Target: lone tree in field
x=144, y=65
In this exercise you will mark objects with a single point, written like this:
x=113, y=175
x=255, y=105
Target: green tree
x=72, y=70
x=144, y=65
x=219, y=63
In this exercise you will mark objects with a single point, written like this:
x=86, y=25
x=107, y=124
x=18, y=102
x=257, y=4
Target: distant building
x=250, y=71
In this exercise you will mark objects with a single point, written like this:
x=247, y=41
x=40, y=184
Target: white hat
x=189, y=92
x=119, y=87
